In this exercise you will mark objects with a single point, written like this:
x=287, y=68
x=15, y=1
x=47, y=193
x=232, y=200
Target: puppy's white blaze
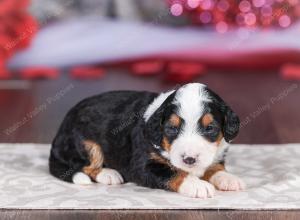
x=157, y=102
x=192, y=186
x=189, y=99
x=81, y=179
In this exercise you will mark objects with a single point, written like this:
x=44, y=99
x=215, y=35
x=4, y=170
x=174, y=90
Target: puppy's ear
x=231, y=121
x=231, y=124
x=154, y=129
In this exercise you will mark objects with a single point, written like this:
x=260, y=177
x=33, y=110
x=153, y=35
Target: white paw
x=227, y=182
x=81, y=179
x=109, y=177
x=194, y=187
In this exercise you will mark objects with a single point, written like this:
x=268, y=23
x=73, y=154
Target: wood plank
x=147, y=215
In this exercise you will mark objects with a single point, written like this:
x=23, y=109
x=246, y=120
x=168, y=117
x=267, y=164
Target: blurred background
x=56, y=52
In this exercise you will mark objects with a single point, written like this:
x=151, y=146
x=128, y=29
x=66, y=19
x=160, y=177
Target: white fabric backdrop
x=92, y=40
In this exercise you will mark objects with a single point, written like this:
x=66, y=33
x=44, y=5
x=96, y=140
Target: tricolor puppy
x=174, y=141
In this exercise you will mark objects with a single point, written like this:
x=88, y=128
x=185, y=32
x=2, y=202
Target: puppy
x=175, y=141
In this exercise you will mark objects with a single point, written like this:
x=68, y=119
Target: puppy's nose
x=189, y=160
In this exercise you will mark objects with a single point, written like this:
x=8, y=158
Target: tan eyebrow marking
x=207, y=119
x=175, y=120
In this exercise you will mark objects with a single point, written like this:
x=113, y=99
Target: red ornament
x=146, y=68
x=184, y=71
x=39, y=73
x=17, y=29
x=290, y=71
x=87, y=72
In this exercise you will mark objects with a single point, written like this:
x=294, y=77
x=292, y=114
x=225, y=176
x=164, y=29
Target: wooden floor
x=268, y=108
x=147, y=215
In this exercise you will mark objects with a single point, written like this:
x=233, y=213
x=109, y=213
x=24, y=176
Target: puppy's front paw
x=194, y=187
x=227, y=182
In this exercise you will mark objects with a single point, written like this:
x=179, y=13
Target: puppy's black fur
x=114, y=120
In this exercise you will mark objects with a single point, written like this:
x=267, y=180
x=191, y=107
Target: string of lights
x=226, y=14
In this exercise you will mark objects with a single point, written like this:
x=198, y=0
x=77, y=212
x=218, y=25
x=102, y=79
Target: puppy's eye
x=171, y=130
x=209, y=128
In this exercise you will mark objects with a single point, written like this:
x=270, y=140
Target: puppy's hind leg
x=95, y=169
x=90, y=172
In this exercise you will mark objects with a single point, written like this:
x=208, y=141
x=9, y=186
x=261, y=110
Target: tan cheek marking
x=177, y=180
x=212, y=170
x=207, y=119
x=166, y=144
x=159, y=159
x=96, y=158
x=219, y=140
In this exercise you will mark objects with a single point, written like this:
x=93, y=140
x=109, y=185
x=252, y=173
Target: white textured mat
x=272, y=173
